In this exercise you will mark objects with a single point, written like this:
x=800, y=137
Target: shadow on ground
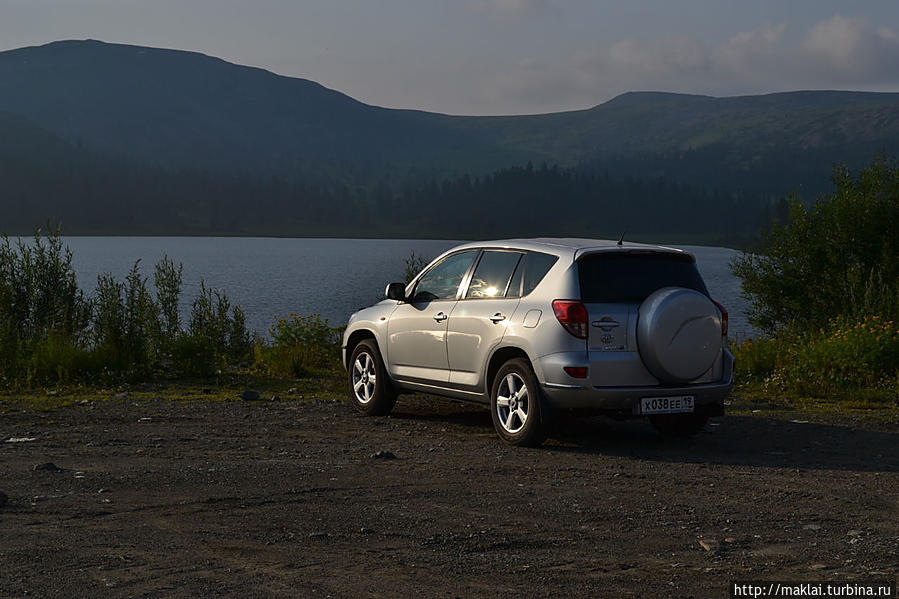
x=757, y=441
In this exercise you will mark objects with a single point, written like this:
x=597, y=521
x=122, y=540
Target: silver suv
x=536, y=326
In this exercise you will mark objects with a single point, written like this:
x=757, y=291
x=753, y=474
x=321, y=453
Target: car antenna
x=621, y=239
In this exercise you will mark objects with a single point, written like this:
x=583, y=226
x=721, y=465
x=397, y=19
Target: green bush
x=301, y=345
x=51, y=333
x=415, y=263
x=194, y=356
x=825, y=287
x=221, y=328
x=839, y=258
x=844, y=359
x=167, y=279
x=39, y=299
x=56, y=360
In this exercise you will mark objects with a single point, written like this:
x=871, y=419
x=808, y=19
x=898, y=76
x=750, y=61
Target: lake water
x=331, y=277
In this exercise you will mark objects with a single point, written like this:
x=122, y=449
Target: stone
x=710, y=545
x=48, y=467
x=383, y=455
x=250, y=395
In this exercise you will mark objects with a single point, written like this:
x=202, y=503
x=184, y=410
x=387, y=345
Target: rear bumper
x=573, y=396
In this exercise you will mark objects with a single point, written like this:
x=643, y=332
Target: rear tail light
x=578, y=372
x=723, y=318
x=573, y=316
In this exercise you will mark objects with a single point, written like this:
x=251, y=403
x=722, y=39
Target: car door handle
x=440, y=317
x=497, y=318
x=604, y=324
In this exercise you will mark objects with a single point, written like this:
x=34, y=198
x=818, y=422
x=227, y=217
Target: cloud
x=511, y=11
x=853, y=49
x=837, y=52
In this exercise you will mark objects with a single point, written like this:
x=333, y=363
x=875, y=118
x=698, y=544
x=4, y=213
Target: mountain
x=176, y=108
x=111, y=138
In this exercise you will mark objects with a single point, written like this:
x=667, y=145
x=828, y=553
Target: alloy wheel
x=364, y=378
x=512, y=403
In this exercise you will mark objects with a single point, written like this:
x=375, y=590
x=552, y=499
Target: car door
x=416, y=332
x=478, y=320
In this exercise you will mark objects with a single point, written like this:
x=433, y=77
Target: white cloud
x=837, y=52
x=852, y=49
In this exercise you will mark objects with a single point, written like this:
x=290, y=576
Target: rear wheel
x=680, y=425
x=516, y=405
x=372, y=392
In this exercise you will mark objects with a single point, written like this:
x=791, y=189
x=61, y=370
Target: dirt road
x=286, y=499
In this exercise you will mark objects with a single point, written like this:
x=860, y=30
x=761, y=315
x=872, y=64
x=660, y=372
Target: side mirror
x=396, y=291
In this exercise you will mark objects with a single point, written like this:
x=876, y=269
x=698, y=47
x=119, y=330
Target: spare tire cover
x=678, y=334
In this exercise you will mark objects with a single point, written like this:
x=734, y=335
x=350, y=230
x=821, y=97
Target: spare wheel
x=678, y=334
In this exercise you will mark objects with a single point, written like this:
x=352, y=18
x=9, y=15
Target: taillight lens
x=573, y=316
x=578, y=372
x=723, y=318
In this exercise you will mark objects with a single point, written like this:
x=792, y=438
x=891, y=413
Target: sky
x=493, y=57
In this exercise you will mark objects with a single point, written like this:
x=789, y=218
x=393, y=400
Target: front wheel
x=516, y=405
x=372, y=392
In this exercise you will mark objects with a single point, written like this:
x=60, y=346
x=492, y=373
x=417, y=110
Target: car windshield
x=632, y=277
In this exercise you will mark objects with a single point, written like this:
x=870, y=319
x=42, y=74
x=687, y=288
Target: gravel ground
x=171, y=498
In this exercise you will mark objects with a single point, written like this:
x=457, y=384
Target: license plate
x=666, y=405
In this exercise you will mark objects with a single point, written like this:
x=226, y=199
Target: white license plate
x=666, y=405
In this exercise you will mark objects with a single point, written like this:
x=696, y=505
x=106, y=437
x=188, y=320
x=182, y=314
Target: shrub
x=56, y=360
x=167, y=280
x=415, y=263
x=194, y=356
x=49, y=332
x=221, y=328
x=301, y=345
x=39, y=299
x=843, y=359
x=839, y=258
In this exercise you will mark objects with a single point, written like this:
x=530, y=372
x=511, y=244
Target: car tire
x=680, y=426
x=370, y=389
x=517, y=406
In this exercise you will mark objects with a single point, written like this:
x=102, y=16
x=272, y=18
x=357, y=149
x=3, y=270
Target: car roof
x=573, y=247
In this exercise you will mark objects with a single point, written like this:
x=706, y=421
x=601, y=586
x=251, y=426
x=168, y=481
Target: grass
x=846, y=361
x=224, y=388
x=845, y=371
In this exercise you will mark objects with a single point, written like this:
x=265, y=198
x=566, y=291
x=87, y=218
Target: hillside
x=178, y=108
x=117, y=139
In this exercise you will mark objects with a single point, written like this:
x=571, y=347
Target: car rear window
x=632, y=277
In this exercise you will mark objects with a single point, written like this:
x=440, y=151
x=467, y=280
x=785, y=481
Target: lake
x=331, y=277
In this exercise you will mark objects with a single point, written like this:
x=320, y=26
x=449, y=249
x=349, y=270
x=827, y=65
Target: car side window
x=492, y=274
x=442, y=281
x=537, y=267
x=531, y=270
